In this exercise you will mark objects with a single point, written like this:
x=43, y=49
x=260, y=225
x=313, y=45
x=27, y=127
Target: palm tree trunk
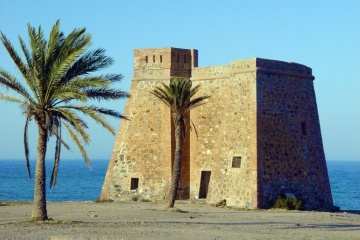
x=177, y=166
x=39, y=212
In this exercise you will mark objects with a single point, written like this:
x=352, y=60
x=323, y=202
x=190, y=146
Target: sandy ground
x=139, y=220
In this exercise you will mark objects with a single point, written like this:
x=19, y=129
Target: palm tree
x=177, y=95
x=56, y=84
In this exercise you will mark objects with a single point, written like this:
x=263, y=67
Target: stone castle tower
x=258, y=135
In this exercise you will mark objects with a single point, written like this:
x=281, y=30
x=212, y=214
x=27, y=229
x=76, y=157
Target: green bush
x=97, y=200
x=288, y=203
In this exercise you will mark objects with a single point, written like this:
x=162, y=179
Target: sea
x=76, y=182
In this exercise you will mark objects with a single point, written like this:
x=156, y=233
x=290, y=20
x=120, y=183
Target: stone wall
x=291, y=157
x=142, y=148
x=227, y=128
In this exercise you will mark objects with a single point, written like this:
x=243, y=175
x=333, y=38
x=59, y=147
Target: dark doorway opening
x=204, y=183
x=134, y=183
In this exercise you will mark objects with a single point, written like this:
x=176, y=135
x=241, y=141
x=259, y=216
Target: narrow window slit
x=304, y=128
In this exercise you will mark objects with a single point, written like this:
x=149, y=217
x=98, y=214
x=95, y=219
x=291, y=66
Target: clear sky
x=322, y=34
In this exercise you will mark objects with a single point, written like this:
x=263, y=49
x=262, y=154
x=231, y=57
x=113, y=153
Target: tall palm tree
x=177, y=96
x=56, y=84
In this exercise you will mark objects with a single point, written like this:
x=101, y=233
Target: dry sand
x=139, y=220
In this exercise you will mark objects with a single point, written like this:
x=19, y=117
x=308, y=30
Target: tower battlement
x=164, y=62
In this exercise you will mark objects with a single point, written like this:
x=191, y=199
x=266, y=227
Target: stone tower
x=259, y=134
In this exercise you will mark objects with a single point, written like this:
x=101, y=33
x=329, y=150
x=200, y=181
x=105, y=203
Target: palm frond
x=10, y=83
x=26, y=52
x=195, y=103
x=59, y=69
x=75, y=137
x=30, y=80
x=26, y=145
x=89, y=82
x=163, y=96
x=10, y=98
x=101, y=81
x=97, y=117
x=57, y=154
x=37, y=76
x=55, y=40
x=194, y=90
x=74, y=120
x=14, y=55
x=55, y=130
x=88, y=63
x=96, y=114
x=105, y=94
x=192, y=124
x=66, y=95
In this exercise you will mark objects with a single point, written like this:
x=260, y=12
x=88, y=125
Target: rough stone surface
x=258, y=135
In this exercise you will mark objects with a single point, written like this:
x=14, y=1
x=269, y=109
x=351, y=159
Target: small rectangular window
x=146, y=59
x=161, y=58
x=153, y=58
x=303, y=128
x=236, y=162
x=134, y=183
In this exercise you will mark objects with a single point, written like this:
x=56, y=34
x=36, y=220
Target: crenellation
x=258, y=135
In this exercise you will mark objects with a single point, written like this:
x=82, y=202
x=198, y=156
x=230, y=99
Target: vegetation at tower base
x=57, y=84
x=178, y=97
x=288, y=203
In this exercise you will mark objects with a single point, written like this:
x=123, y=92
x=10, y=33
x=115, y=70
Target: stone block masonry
x=258, y=135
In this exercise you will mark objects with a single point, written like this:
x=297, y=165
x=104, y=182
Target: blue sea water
x=77, y=183
x=345, y=184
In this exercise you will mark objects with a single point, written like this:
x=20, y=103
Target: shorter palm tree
x=178, y=97
x=56, y=85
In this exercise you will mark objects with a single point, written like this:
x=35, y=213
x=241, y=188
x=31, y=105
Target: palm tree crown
x=177, y=96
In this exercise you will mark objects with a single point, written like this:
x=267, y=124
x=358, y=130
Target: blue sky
x=322, y=34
